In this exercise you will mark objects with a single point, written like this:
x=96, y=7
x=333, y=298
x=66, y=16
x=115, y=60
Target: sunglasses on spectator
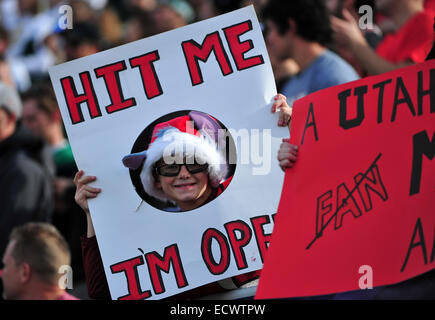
x=172, y=170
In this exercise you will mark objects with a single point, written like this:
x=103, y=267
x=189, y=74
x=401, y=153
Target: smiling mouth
x=185, y=185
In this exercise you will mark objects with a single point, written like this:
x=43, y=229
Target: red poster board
x=362, y=192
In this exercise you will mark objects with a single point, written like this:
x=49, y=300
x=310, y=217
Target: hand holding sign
x=285, y=112
x=84, y=191
x=287, y=154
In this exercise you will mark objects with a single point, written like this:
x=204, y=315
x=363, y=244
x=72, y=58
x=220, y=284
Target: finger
x=82, y=198
x=284, y=147
x=280, y=96
x=285, y=164
x=78, y=175
x=83, y=195
x=289, y=150
x=285, y=144
x=294, y=147
x=337, y=22
x=90, y=189
x=348, y=16
x=280, y=100
x=286, y=156
x=284, y=117
x=85, y=180
x=90, y=194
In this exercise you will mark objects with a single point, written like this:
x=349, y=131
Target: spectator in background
x=203, y=9
x=371, y=31
x=32, y=264
x=41, y=115
x=165, y=18
x=283, y=70
x=25, y=193
x=12, y=72
x=111, y=27
x=138, y=26
x=28, y=45
x=408, y=44
x=82, y=40
x=105, y=19
x=300, y=30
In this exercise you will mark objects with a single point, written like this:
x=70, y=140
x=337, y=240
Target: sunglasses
x=172, y=170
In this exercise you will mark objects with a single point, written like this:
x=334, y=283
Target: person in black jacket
x=25, y=191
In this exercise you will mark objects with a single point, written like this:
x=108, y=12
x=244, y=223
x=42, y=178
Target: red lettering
x=73, y=99
x=238, y=244
x=370, y=184
x=129, y=267
x=345, y=206
x=194, y=52
x=110, y=73
x=322, y=211
x=150, y=81
x=263, y=239
x=238, y=49
x=157, y=263
x=207, y=254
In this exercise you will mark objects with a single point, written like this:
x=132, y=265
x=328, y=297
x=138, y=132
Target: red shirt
x=67, y=296
x=412, y=42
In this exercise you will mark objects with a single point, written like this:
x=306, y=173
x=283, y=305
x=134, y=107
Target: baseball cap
x=10, y=100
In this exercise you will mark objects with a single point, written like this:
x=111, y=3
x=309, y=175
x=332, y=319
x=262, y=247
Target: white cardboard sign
x=219, y=66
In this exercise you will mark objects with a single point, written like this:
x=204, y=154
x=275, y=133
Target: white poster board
x=109, y=98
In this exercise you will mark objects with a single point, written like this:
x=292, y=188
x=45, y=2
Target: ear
x=25, y=272
x=292, y=27
x=56, y=117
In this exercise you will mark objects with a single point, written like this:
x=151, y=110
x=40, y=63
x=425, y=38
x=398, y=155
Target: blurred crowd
x=312, y=44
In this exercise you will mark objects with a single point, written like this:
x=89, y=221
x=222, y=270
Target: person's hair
x=310, y=16
x=83, y=32
x=42, y=247
x=44, y=96
x=8, y=112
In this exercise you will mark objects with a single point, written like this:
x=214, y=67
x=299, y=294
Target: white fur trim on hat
x=174, y=145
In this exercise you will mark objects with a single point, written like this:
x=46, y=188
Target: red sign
x=361, y=195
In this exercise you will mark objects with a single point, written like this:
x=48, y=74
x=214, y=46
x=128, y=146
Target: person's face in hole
x=188, y=190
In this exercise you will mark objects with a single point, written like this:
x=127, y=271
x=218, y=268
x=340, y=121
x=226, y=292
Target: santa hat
x=193, y=135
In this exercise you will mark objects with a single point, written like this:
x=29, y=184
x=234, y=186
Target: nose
x=183, y=174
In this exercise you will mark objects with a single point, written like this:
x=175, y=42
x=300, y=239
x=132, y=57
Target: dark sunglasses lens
x=169, y=170
x=195, y=168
